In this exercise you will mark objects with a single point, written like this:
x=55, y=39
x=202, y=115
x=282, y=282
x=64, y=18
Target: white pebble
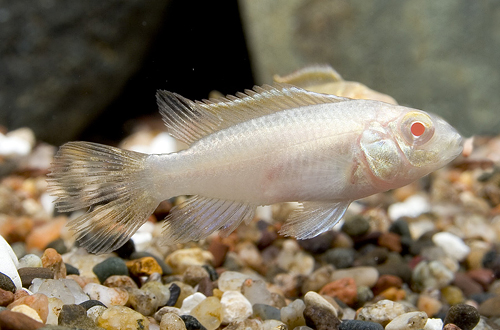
x=235, y=307
x=191, y=302
x=453, y=245
x=412, y=207
x=67, y=290
x=95, y=311
x=30, y=260
x=273, y=325
x=408, y=321
x=108, y=296
x=47, y=202
x=9, y=262
x=232, y=281
x=433, y=324
x=293, y=314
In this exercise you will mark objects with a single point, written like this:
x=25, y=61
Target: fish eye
x=417, y=128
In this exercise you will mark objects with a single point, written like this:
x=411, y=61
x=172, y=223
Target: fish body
x=270, y=145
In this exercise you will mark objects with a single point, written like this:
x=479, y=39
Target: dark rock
x=360, y=325
x=175, y=291
x=320, y=318
x=71, y=270
x=481, y=297
x=397, y=266
x=219, y=251
x=464, y=316
x=266, y=312
x=391, y=241
x=206, y=287
x=356, y=226
x=27, y=274
x=58, y=245
x=385, y=282
x=91, y=303
x=483, y=276
x=468, y=286
x=364, y=294
x=192, y=323
x=6, y=297
x=451, y=326
x=75, y=316
x=109, y=267
x=126, y=250
x=17, y=321
x=370, y=238
x=166, y=269
x=490, y=307
x=318, y=244
x=79, y=53
x=268, y=234
x=339, y=257
x=400, y=227
x=211, y=272
x=371, y=256
x=6, y=283
x=422, y=242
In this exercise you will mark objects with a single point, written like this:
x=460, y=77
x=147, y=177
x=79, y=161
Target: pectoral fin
x=314, y=218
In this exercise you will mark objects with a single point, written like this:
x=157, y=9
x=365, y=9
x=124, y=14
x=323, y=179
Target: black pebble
x=360, y=325
x=211, y=272
x=339, y=257
x=482, y=297
x=71, y=270
x=58, y=245
x=126, y=249
x=164, y=267
x=109, y=267
x=75, y=316
x=463, y=316
x=356, y=226
x=192, y=323
x=175, y=291
x=91, y=303
x=318, y=244
x=6, y=283
x=400, y=227
x=320, y=319
x=491, y=260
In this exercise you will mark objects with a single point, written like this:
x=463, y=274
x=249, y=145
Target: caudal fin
x=112, y=183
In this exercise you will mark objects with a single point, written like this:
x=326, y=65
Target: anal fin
x=200, y=216
x=314, y=218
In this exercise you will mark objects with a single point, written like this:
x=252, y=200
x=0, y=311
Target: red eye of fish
x=417, y=129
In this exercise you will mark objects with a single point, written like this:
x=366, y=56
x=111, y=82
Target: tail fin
x=112, y=183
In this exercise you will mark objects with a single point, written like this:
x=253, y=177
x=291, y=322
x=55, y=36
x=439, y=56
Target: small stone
x=356, y=226
x=249, y=255
x=468, y=286
x=58, y=245
x=141, y=301
x=175, y=291
x=266, y=312
x=120, y=281
x=430, y=305
x=464, y=316
x=180, y=260
x=382, y=312
x=126, y=250
x=212, y=273
x=75, y=316
x=166, y=270
x=192, y=323
x=366, y=276
x=28, y=274
x=235, y=307
x=288, y=283
x=91, y=303
x=15, y=320
x=218, y=251
x=109, y=267
x=343, y=289
x=143, y=267
x=28, y=311
x=434, y=324
x=386, y=281
x=6, y=297
x=191, y=302
x=232, y=281
x=408, y=321
x=53, y=261
x=320, y=318
x=206, y=286
x=318, y=244
x=30, y=260
x=391, y=241
x=451, y=326
x=339, y=257
x=293, y=314
x=256, y=291
x=396, y=265
x=6, y=283
x=273, y=325
x=483, y=276
x=293, y=260
x=65, y=289
x=364, y=295
x=452, y=295
x=453, y=245
x=55, y=307
x=161, y=291
x=42, y=235
x=318, y=279
x=208, y=313
x=38, y=302
x=194, y=274
x=431, y=275
x=95, y=312
x=400, y=227
x=393, y=294
x=359, y=325
x=108, y=296
x=121, y=317
x=312, y=299
x=71, y=270
x=171, y=321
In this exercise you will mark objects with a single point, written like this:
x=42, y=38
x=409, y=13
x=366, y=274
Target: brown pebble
x=483, y=276
x=27, y=274
x=194, y=274
x=320, y=318
x=344, y=289
x=386, y=281
x=42, y=235
x=490, y=307
x=53, y=261
x=391, y=241
x=144, y=266
x=466, y=284
x=218, y=250
x=18, y=321
x=6, y=297
x=393, y=294
x=206, y=286
x=451, y=326
x=120, y=281
x=39, y=302
x=20, y=293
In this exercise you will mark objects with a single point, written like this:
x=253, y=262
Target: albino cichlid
x=264, y=146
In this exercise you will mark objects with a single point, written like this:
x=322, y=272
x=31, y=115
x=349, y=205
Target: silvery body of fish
x=265, y=146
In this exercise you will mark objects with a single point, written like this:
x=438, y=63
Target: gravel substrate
x=425, y=256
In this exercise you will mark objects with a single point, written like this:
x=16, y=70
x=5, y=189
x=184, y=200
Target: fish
x=268, y=145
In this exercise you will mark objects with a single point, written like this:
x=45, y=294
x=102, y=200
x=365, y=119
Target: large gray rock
x=62, y=62
x=441, y=56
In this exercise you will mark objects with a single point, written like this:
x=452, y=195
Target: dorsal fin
x=189, y=121
x=310, y=75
